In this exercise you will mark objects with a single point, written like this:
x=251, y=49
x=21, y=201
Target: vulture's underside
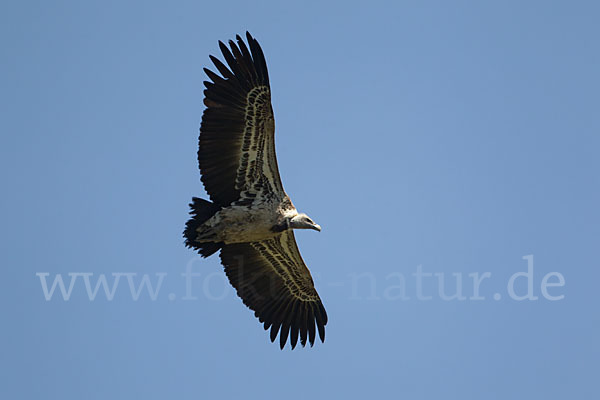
x=239, y=170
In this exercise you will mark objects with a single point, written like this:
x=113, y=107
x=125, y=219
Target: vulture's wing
x=271, y=278
x=237, y=145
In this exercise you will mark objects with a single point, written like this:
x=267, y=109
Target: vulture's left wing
x=237, y=144
x=271, y=278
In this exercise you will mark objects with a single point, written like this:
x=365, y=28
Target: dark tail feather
x=201, y=211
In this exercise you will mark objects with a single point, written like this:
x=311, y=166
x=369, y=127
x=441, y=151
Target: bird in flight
x=250, y=218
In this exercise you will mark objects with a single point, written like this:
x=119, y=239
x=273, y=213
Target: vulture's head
x=303, y=221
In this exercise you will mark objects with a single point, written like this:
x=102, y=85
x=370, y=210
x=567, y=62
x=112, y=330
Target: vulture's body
x=251, y=218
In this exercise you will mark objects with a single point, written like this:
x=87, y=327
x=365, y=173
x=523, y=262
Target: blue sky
x=450, y=138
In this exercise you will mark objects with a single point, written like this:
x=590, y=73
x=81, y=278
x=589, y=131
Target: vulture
x=250, y=219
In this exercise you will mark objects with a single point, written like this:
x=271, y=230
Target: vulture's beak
x=317, y=227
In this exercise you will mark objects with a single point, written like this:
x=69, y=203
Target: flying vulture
x=251, y=218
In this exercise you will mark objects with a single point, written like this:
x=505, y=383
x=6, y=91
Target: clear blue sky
x=446, y=137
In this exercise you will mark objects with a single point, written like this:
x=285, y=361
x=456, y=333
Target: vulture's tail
x=201, y=211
